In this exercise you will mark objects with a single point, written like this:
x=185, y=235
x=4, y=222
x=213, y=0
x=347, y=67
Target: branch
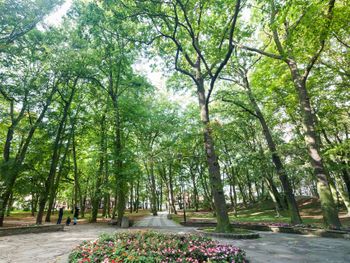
x=229, y=51
x=274, y=30
x=5, y=95
x=322, y=42
x=241, y=106
x=183, y=71
x=262, y=52
x=341, y=41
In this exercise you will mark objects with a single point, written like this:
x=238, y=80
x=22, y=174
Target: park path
x=48, y=247
x=161, y=223
x=292, y=248
x=271, y=247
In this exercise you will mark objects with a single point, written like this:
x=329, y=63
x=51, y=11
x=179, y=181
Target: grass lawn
x=20, y=217
x=310, y=212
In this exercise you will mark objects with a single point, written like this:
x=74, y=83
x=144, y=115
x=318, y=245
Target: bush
x=149, y=247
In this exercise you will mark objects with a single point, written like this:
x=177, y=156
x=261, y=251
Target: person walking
x=60, y=216
x=76, y=215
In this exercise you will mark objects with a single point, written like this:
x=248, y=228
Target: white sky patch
x=144, y=67
x=55, y=18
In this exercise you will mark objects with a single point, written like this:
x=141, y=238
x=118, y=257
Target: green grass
x=264, y=213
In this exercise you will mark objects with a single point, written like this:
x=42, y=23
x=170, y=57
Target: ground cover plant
x=149, y=246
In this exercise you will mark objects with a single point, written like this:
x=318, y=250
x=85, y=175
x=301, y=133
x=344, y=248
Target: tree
x=202, y=45
x=286, y=24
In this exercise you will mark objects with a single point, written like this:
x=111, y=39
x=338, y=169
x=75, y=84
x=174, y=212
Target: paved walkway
x=288, y=248
x=161, y=223
x=271, y=247
x=48, y=247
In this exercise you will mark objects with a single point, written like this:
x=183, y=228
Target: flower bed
x=148, y=246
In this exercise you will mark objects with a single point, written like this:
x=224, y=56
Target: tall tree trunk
x=274, y=192
x=233, y=189
x=76, y=173
x=153, y=188
x=55, y=156
x=9, y=206
x=249, y=185
x=195, y=190
x=346, y=177
x=97, y=191
x=244, y=196
x=137, y=199
x=281, y=172
x=223, y=222
x=53, y=190
x=171, y=190
x=160, y=196
x=131, y=197
x=330, y=213
x=106, y=197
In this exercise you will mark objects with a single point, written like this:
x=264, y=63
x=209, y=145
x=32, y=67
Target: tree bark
x=55, y=156
x=330, y=213
x=153, y=188
x=223, y=222
x=53, y=190
x=281, y=172
x=102, y=160
x=195, y=190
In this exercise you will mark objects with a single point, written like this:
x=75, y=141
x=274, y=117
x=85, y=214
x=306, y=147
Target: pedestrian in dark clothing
x=76, y=215
x=60, y=216
x=68, y=221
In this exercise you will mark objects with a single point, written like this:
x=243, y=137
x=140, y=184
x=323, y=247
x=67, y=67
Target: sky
x=55, y=18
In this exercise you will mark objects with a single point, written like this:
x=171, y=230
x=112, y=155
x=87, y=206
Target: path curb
x=7, y=231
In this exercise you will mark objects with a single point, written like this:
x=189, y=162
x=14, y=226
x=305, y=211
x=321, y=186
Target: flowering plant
x=149, y=246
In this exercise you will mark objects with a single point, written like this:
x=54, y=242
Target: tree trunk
x=241, y=190
x=281, y=172
x=9, y=206
x=249, y=185
x=137, y=201
x=106, y=198
x=153, y=189
x=53, y=190
x=171, y=191
x=55, y=156
x=12, y=169
x=131, y=197
x=97, y=192
x=233, y=194
x=195, y=190
x=76, y=173
x=223, y=222
x=346, y=178
x=330, y=213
